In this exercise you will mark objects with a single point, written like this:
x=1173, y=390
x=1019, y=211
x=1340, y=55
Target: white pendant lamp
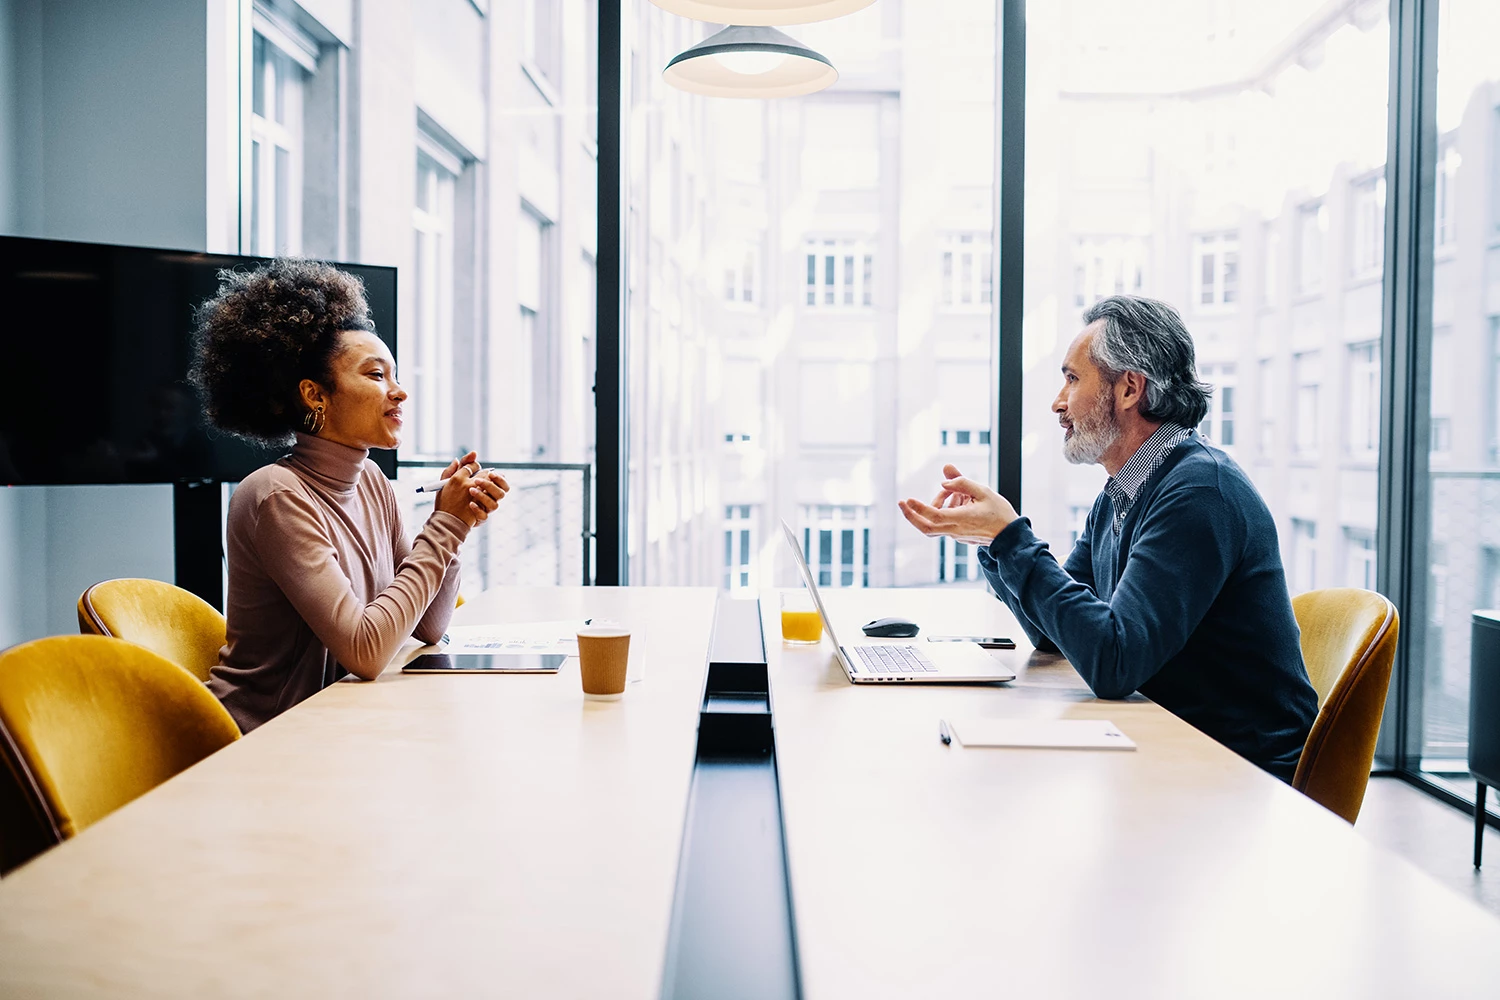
x=749, y=61
x=762, y=12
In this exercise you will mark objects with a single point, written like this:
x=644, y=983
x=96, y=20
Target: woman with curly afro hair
x=322, y=580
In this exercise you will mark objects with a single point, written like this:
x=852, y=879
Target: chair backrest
x=165, y=619
x=1348, y=643
x=88, y=723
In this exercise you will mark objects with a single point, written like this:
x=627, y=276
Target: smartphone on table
x=986, y=641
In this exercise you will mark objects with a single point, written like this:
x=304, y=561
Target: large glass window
x=817, y=343
x=1464, y=465
x=1242, y=147
x=470, y=164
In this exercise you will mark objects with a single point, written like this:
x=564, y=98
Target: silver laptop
x=878, y=663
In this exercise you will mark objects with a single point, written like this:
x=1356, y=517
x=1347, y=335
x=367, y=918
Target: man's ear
x=1130, y=390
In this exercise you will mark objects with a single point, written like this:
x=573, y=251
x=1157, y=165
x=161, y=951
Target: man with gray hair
x=1176, y=588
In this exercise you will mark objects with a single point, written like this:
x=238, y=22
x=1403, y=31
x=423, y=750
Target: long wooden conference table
x=501, y=836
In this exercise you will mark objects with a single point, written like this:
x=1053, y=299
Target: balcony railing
x=542, y=533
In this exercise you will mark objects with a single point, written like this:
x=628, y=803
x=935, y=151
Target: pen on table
x=943, y=733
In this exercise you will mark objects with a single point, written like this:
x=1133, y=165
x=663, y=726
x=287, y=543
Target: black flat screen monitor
x=96, y=342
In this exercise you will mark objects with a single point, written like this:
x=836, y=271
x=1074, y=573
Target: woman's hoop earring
x=312, y=421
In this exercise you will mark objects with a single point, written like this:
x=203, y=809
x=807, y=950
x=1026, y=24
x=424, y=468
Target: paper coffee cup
x=603, y=656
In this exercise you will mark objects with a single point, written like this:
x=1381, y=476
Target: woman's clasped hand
x=471, y=492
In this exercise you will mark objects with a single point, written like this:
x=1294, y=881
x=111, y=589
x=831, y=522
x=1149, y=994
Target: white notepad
x=1061, y=734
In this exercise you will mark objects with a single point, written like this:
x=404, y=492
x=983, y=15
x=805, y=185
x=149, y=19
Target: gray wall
x=104, y=121
x=108, y=120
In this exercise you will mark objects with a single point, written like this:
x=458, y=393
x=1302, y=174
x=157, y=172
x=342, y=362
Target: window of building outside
x=1368, y=244
x=1216, y=268
x=428, y=364
x=836, y=543
x=966, y=276
x=1218, y=424
x=1272, y=269
x=1359, y=558
x=1307, y=369
x=1445, y=222
x=1312, y=228
x=1362, y=421
x=539, y=36
x=1079, y=522
x=958, y=562
x=1267, y=386
x=1463, y=487
x=1437, y=595
x=840, y=274
x=968, y=438
x=739, y=548
x=276, y=159
x=1492, y=394
x=535, y=340
x=1304, y=570
x=740, y=275
x=1107, y=265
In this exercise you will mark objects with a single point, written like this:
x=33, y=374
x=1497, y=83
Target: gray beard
x=1094, y=436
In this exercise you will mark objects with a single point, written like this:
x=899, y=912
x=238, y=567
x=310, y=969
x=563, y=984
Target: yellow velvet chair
x=165, y=619
x=1348, y=644
x=88, y=723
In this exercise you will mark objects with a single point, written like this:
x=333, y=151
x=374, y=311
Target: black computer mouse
x=890, y=627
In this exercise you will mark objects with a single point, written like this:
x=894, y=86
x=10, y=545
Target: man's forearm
x=1037, y=637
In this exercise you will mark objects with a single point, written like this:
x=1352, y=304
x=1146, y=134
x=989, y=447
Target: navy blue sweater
x=1188, y=605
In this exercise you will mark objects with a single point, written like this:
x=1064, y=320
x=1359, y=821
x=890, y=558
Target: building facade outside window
x=539, y=36
x=1219, y=424
x=739, y=548
x=1359, y=558
x=1216, y=270
x=1307, y=370
x=276, y=136
x=1312, y=227
x=430, y=349
x=1362, y=420
x=1272, y=273
x=1078, y=522
x=1107, y=265
x=1493, y=392
x=958, y=562
x=1269, y=400
x=533, y=280
x=966, y=277
x=1368, y=244
x=836, y=542
x=1304, y=576
x=840, y=274
x=740, y=275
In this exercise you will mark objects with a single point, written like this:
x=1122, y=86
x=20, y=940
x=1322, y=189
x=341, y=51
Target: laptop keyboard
x=894, y=660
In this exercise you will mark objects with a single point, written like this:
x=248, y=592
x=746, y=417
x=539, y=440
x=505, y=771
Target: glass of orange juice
x=800, y=622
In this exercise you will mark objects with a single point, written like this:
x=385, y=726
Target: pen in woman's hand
x=435, y=487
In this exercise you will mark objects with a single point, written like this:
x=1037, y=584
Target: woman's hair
x=1147, y=336
x=266, y=331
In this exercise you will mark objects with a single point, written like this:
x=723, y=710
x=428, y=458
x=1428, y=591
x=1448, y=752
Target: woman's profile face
x=362, y=408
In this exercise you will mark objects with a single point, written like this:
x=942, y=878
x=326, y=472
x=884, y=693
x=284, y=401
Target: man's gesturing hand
x=963, y=509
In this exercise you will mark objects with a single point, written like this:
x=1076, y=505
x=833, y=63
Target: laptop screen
x=807, y=579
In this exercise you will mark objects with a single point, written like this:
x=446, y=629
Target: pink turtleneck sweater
x=321, y=578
